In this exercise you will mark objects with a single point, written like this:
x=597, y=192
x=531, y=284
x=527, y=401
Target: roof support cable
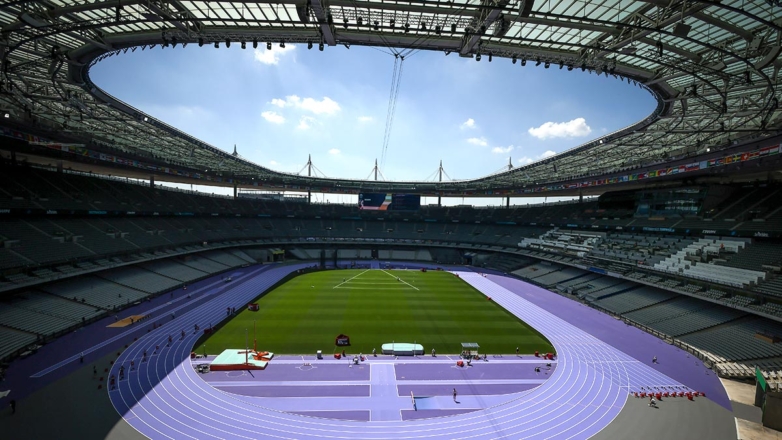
x=396, y=78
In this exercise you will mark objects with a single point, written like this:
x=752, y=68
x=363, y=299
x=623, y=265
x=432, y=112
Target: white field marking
x=375, y=288
x=400, y=279
x=350, y=279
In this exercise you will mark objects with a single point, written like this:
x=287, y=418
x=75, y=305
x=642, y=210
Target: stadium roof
x=713, y=68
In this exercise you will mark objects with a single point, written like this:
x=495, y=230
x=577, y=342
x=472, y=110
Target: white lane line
x=350, y=279
x=400, y=279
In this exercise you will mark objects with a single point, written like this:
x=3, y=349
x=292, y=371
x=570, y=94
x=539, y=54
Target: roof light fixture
x=360, y=21
x=437, y=29
x=513, y=59
x=407, y=27
x=523, y=62
x=268, y=45
x=345, y=23
x=255, y=43
x=376, y=25
x=320, y=46
x=309, y=45
x=282, y=44
x=200, y=41
x=490, y=57
x=547, y=65
x=227, y=42
x=217, y=45
x=477, y=57
x=538, y=62
x=453, y=28
x=423, y=26
x=244, y=45
x=392, y=23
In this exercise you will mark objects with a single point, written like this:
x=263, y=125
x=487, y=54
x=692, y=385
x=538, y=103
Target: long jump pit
x=235, y=359
x=124, y=322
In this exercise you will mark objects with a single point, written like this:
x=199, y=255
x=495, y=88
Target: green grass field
x=435, y=309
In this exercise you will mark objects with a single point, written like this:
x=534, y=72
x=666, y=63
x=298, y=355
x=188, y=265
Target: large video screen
x=389, y=202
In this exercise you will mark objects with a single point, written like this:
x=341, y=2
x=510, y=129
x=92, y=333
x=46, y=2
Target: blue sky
x=280, y=106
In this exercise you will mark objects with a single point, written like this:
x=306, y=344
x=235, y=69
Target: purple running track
x=166, y=398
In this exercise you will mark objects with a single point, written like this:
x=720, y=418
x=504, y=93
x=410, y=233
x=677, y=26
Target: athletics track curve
x=165, y=398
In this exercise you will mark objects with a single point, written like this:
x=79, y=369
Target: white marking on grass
x=347, y=280
x=400, y=279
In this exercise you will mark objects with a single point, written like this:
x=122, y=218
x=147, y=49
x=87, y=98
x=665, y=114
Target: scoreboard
x=389, y=202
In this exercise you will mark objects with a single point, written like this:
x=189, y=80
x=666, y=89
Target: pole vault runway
x=165, y=398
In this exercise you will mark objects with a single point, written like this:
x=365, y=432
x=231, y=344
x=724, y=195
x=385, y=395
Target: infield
x=435, y=309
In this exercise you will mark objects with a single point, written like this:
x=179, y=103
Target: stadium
x=647, y=303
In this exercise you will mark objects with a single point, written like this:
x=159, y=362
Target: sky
x=280, y=106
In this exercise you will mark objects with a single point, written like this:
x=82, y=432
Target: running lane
x=165, y=398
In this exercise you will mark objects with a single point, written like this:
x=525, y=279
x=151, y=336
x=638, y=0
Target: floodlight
x=561, y=65
x=537, y=63
x=227, y=42
x=244, y=45
x=490, y=57
x=282, y=44
x=376, y=25
x=423, y=26
x=523, y=62
x=146, y=119
x=513, y=59
x=173, y=41
x=255, y=43
x=478, y=57
x=453, y=28
x=583, y=67
x=569, y=67
x=320, y=46
x=268, y=45
x=392, y=23
x=6, y=115
x=360, y=21
x=217, y=45
x=407, y=27
x=547, y=65
x=437, y=29
x=200, y=42
x=345, y=23
x=309, y=45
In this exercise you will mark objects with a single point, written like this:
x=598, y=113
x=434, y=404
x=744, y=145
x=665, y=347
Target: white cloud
x=481, y=142
x=499, y=150
x=528, y=160
x=325, y=105
x=469, y=123
x=365, y=119
x=575, y=128
x=273, y=117
x=272, y=57
x=334, y=151
x=273, y=162
x=305, y=122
